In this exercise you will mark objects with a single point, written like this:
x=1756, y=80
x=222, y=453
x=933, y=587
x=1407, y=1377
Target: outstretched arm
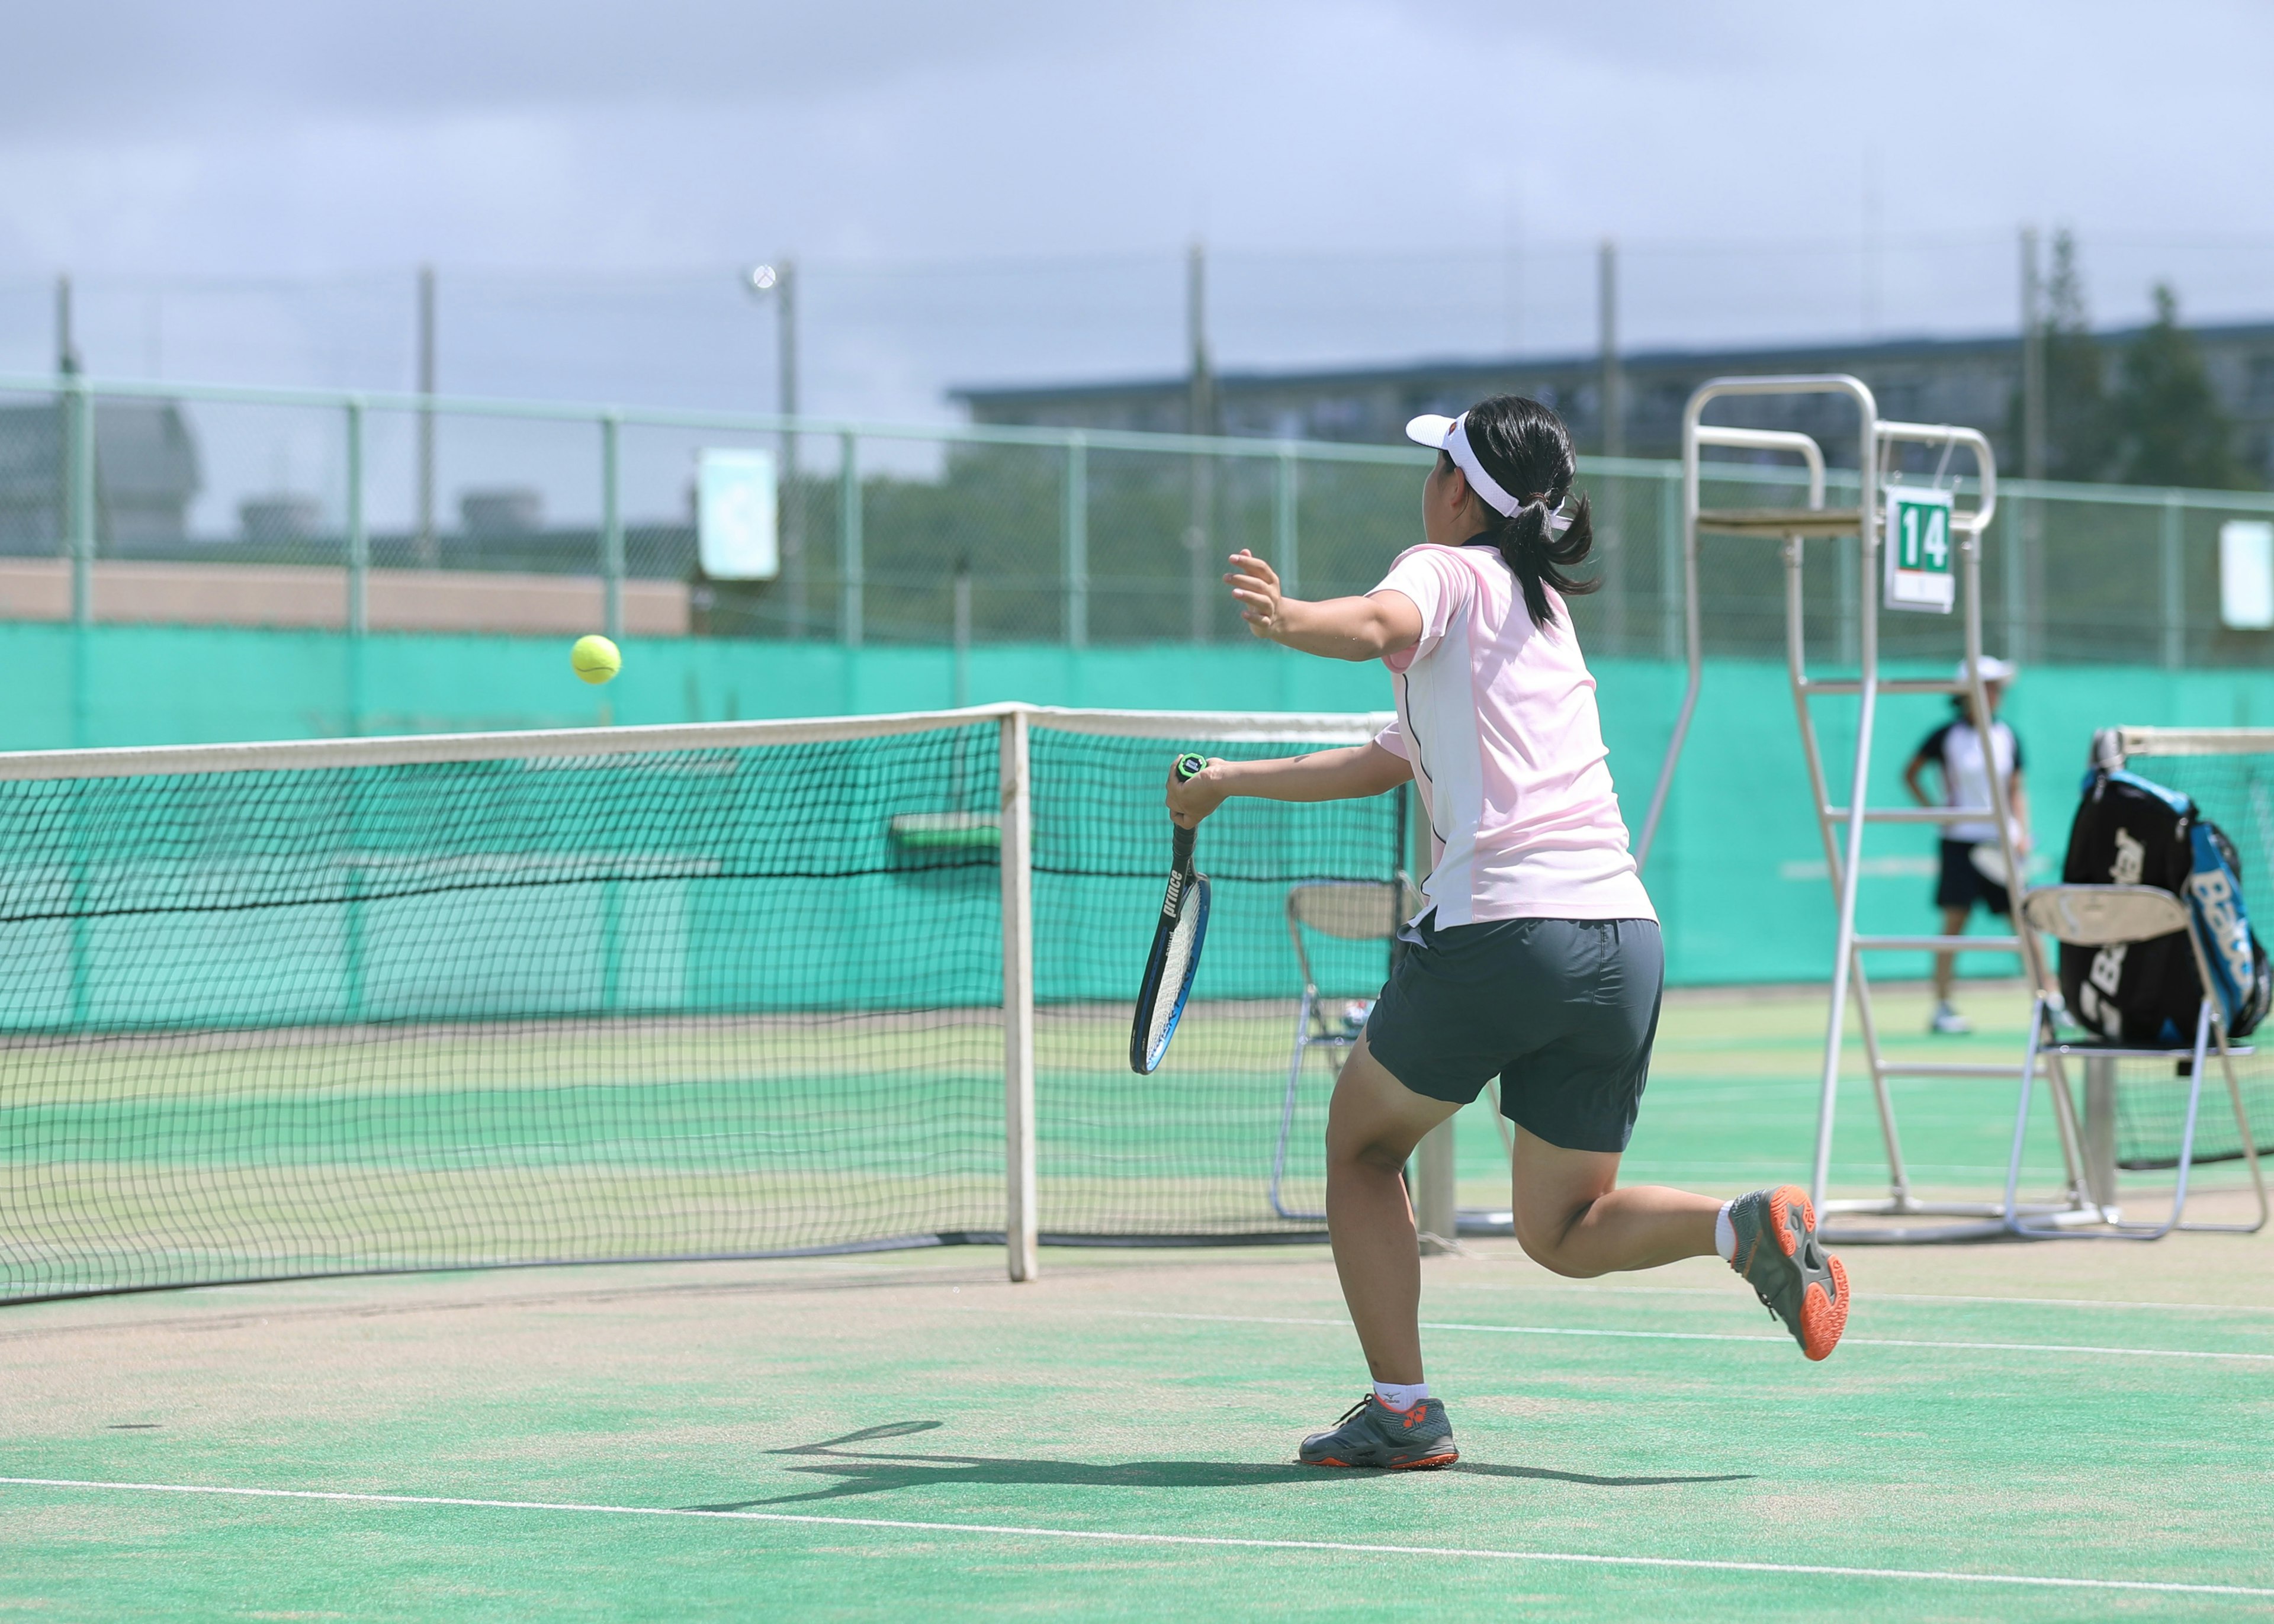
x=1350, y=628
x=1348, y=774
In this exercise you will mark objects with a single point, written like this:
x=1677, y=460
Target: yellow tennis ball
x=595, y=658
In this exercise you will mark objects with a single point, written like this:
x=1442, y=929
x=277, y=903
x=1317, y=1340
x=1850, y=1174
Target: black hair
x=1525, y=447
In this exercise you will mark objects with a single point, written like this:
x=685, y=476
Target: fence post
x=1073, y=540
x=2035, y=633
x=1847, y=564
x=79, y=454
x=358, y=569
x=851, y=567
x=2174, y=593
x=1670, y=618
x=1286, y=550
x=2013, y=526
x=612, y=530
x=1020, y=1223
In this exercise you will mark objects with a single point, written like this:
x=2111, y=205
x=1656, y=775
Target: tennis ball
x=595, y=658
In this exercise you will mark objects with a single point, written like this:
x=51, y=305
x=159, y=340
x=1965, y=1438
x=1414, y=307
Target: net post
x=1436, y=1198
x=1019, y=1217
x=1437, y=1211
x=2099, y=1130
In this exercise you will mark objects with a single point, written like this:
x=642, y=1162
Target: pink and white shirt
x=1497, y=717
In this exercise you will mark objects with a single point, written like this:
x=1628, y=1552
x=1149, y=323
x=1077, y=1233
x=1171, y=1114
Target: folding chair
x=1351, y=910
x=2112, y=916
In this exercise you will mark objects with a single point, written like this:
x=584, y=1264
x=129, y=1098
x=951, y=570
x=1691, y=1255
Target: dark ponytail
x=1525, y=447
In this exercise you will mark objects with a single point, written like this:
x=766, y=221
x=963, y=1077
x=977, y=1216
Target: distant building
x=1966, y=380
x=145, y=475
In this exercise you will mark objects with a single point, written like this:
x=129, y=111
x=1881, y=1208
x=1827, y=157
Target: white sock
x=1399, y=1395
x=1725, y=1234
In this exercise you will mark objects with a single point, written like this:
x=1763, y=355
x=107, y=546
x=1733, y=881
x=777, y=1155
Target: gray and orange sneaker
x=1371, y=1433
x=1796, y=1279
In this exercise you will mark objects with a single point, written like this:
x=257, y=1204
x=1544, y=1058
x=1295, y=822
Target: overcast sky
x=1004, y=191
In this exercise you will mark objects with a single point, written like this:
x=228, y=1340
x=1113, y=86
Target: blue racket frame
x=1187, y=895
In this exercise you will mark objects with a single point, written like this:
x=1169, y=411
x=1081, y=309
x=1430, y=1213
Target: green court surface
x=2058, y=1431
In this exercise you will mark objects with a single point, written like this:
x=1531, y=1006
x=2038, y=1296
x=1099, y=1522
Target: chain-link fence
x=332, y=511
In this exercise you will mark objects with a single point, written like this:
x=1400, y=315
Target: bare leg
x=1572, y=1217
x=1953, y=924
x=1372, y=1127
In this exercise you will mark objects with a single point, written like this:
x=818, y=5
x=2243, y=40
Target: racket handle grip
x=1187, y=768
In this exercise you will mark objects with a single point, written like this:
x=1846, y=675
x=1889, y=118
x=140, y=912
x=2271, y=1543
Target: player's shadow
x=868, y=1472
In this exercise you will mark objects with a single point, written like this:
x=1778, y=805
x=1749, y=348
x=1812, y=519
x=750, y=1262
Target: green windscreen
x=685, y=1003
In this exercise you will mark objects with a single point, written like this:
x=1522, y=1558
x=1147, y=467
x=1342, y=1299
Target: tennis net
x=730, y=989
x=2229, y=773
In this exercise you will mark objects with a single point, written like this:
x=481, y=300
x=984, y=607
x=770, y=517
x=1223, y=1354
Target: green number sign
x=1918, y=548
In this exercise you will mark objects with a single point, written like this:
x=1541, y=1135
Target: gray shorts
x=1564, y=1011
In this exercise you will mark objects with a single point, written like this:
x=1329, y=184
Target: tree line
x=2141, y=413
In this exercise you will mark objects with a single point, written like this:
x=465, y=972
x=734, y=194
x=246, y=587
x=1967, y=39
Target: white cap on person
x=1993, y=669
x=1450, y=435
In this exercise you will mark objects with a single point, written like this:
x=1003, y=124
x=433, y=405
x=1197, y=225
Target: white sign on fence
x=1918, y=548
x=2246, y=574
x=735, y=514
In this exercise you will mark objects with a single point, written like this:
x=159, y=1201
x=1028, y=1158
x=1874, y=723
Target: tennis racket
x=1176, y=952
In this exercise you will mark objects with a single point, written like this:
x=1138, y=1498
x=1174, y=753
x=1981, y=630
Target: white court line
x=1722, y=1336
x=1876, y=1297
x=1108, y=1537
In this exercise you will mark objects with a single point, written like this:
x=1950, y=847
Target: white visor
x=1450, y=435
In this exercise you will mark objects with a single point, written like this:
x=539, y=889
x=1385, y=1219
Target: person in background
x=1973, y=865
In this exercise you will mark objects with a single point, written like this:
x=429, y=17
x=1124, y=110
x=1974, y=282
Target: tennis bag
x=2130, y=830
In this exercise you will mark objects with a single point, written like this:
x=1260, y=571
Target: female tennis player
x=1536, y=954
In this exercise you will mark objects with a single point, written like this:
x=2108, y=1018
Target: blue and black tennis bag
x=2130, y=830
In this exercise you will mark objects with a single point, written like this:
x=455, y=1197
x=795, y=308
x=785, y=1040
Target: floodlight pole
x=2023, y=539
x=2033, y=360
x=792, y=526
x=1609, y=492
x=779, y=280
x=66, y=351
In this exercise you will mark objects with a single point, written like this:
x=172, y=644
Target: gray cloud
x=130, y=66
x=1002, y=189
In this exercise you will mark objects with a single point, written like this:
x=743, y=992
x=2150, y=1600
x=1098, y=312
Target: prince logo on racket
x=1535, y=954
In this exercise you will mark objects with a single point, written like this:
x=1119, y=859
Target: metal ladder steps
x=1910, y=814
x=1885, y=684
x=1940, y=945
x=1949, y=1068
x=1781, y=521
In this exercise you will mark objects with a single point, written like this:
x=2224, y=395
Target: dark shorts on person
x=1961, y=884
x=1563, y=1010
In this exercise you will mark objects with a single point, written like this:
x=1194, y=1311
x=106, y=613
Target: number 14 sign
x=1919, y=550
